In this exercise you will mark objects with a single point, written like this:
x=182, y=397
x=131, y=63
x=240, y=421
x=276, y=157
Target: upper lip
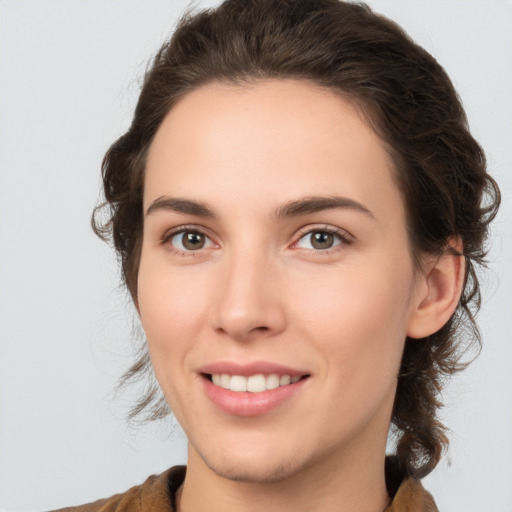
x=248, y=369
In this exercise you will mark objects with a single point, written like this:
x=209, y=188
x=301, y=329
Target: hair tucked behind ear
x=411, y=104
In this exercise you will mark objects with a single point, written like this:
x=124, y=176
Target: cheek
x=172, y=311
x=169, y=298
x=172, y=314
x=357, y=317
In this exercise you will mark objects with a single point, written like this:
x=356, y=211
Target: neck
x=338, y=484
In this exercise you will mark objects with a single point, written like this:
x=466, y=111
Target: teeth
x=272, y=381
x=224, y=381
x=285, y=380
x=238, y=383
x=255, y=383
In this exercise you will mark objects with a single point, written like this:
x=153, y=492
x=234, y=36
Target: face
x=276, y=286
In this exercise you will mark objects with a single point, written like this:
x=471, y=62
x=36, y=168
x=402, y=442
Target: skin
x=259, y=290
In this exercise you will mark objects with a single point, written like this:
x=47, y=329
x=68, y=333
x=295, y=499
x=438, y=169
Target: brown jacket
x=157, y=494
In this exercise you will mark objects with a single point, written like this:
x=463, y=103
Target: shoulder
x=156, y=494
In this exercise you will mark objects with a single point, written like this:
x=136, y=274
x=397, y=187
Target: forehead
x=268, y=142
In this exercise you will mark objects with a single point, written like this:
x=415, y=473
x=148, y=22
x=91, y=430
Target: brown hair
x=411, y=104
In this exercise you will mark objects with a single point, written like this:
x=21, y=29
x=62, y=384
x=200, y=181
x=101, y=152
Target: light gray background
x=69, y=72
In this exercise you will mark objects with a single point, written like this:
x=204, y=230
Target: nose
x=249, y=303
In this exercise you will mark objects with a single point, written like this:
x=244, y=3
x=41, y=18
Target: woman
x=299, y=210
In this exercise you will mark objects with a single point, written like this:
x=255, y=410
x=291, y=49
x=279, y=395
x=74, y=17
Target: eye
x=321, y=240
x=190, y=240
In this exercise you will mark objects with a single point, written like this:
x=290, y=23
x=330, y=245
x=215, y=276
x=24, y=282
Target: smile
x=251, y=389
x=254, y=383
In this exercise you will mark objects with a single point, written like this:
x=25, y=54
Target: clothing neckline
x=406, y=494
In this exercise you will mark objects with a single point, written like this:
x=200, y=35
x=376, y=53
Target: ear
x=438, y=291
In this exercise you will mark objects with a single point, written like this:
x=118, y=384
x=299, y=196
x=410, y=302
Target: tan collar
x=412, y=497
x=158, y=493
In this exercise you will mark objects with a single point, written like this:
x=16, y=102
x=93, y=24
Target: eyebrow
x=295, y=208
x=308, y=205
x=186, y=206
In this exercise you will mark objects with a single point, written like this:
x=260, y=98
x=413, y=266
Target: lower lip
x=247, y=404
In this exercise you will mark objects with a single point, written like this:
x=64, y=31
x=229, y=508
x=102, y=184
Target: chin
x=250, y=471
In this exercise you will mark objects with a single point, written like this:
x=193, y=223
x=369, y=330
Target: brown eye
x=190, y=241
x=320, y=240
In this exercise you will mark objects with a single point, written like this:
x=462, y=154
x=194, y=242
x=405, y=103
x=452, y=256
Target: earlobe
x=439, y=293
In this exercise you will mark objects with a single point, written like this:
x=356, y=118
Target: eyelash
x=343, y=237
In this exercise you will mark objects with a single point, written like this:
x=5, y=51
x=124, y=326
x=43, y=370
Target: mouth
x=251, y=390
x=257, y=383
